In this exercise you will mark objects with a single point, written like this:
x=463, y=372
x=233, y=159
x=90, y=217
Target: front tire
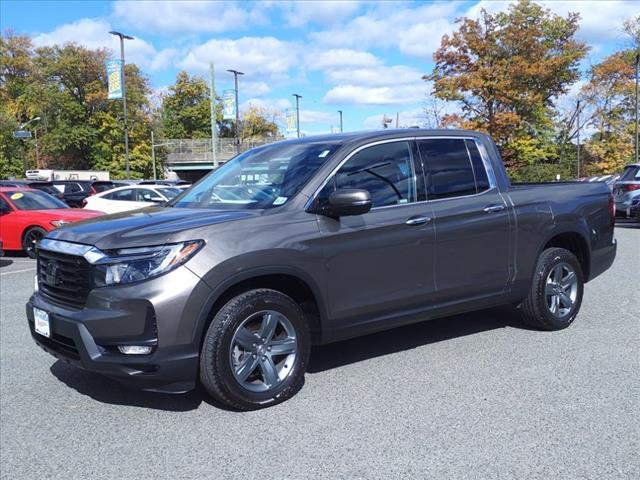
x=556, y=291
x=31, y=238
x=255, y=351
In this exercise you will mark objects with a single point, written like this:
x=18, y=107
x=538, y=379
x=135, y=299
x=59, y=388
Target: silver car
x=627, y=188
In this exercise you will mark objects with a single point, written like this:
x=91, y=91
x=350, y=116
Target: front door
x=380, y=262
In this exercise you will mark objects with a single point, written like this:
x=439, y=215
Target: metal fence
x=179, y=151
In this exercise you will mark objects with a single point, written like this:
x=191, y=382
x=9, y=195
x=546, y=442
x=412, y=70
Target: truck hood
x=147, y=226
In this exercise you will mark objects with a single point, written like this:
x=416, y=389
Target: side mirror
x=347, y=202
x=157, y=199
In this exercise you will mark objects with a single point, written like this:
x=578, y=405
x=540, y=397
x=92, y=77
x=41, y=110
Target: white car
x=123, y=199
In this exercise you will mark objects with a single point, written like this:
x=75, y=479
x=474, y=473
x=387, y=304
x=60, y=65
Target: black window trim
x=421, y=182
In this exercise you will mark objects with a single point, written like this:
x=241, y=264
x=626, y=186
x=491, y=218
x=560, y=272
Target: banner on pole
x=291, y=121
x=114, y=78
x=229, y=104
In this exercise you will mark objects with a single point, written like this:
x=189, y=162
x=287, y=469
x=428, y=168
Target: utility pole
x=637, y=64
x=298, y=97
x=397, y=119
x=153, y=155
x=235, y=79
x=578, y=133
x=124, y=37
x=212, y=94
x=340, y=112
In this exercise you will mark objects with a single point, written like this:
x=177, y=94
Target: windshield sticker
x=17, y=196
x=279, y=200
x=324, y=154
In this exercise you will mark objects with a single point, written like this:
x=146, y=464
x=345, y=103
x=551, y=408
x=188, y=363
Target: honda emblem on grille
x=51, y=274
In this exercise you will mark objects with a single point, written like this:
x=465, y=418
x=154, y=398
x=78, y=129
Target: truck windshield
x=265, y=177
x=34, y=200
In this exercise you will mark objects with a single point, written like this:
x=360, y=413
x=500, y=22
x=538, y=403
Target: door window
x=128, y=195
x=453, y=167
x=148, y=195
x=385, y=171
x=72, y=188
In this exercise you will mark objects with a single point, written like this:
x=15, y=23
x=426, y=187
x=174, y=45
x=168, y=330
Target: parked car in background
x=182, y=184
x=26, y=215
x=74, y=191
x=634, y=209
x=342, y=235
x=46, y=187
x=627, y=189
x=122, y=199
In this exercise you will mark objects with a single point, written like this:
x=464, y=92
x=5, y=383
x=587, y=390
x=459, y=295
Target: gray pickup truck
x=312, y=241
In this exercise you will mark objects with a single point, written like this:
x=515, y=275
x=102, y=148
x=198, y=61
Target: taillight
x=92, y=191
x=84, y=202
x=612, y=208
x=630, y=187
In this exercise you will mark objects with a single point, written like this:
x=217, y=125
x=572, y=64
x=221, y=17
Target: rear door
x=471, y=220
x=380, y=262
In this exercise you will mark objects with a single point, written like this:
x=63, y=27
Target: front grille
x=64, y=279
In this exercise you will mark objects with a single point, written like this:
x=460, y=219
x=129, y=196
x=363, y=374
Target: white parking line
x=17, y=271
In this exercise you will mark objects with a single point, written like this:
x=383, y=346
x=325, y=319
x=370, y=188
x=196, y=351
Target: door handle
x=494, y=208
x=418, y=220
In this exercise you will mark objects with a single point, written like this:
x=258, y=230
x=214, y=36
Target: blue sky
x=364, y=58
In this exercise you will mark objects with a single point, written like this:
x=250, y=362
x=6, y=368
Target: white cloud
x=182, y=16
x=94, y=33
x=255, y=89
x=299, y=14
x=599, y=21
x=387, y=95
x=414, y=31
x=318, y=116
x=375, y=76
x=256, y=56
x=340, y=57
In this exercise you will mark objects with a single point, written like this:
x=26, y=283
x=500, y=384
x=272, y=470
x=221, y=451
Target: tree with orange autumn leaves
x=506, y=71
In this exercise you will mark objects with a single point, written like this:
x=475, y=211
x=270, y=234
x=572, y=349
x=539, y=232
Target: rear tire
x=556, y=291
x=255, y=351
x=31, y=238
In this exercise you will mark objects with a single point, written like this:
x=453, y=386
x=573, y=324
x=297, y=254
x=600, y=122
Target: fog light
x=135, y=349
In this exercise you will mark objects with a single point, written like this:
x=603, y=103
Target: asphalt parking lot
x=476, y=396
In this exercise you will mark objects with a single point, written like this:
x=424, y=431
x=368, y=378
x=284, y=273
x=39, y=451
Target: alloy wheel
x=263, y=351
x=561, y=290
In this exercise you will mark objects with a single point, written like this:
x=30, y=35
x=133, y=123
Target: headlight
x=128, y=265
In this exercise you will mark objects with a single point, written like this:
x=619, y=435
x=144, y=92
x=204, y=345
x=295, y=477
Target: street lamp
x=298, y=97
x=35, y=135
x=637, y=63
x=340, y=112
x=124, y=37
x=235, y=80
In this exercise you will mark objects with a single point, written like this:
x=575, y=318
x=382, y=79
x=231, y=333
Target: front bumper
x=162, y=312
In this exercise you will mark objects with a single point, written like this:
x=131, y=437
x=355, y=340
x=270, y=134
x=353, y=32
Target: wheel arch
x=290, y=281
x=576, y=243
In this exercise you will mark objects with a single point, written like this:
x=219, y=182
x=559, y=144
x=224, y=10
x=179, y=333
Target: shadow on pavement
x=338, y=354
x=323, y=358
x=5, y=262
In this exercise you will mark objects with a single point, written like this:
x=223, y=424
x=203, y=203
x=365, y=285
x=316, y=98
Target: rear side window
x=452, y=168
x=386, y=171
x=127, y=194
x=631, y=174
x=72, y=188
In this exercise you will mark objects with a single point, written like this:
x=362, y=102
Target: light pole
x=340, y=112
x=124, y=37
x=298, y=97
x=637, y=63
x=235, y=80
x=578, y=134
x=35, y=132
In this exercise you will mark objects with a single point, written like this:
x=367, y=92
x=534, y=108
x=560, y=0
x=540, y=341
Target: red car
x=26, y=215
